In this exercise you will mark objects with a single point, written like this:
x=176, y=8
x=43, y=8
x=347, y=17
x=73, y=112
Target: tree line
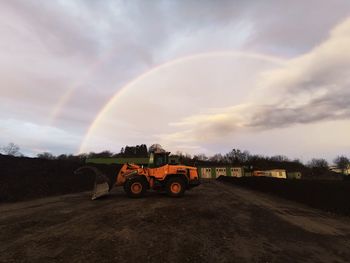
x=233, y=157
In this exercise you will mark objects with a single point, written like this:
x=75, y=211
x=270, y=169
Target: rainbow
x=122, y=90
x=92, y=70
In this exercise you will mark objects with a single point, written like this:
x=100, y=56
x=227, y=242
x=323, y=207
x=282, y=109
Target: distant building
x=335, y=169
x=294, y=175
x=276, y=173
x=205, y=173
x=220, y=171
x=261, y=173
x=215, y=172
x=236, y=171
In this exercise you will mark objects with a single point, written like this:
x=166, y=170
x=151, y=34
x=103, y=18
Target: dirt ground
x=214, y=222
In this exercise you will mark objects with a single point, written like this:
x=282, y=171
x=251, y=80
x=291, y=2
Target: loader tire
x=175, y=187
x=135, y=187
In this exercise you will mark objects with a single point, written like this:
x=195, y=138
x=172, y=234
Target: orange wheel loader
x=159, y=175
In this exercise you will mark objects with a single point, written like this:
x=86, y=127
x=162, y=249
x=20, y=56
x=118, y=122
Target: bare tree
x=279, y=158
x=319, y=164
x=237, y=156
x=200, y=157
x=11, y=149
x=46, y=155
x=218, y=157
x=342, y=163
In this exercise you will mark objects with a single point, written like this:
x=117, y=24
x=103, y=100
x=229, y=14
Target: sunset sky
x=271, y=77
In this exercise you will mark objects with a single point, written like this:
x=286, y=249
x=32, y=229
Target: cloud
x=311, y=88
x=91, y=49
x=57, y=27
x=288, y=28
x=35, y=138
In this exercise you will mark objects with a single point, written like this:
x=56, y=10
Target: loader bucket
x=101, y=187
x=102, y=184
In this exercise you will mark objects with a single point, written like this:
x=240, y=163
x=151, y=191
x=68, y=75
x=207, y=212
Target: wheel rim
x=175, y=188
x=136, y=188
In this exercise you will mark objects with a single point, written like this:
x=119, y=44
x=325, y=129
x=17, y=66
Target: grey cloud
x=311, y=88
x=215, y=130
x=33, y=138
x=314, y=87
x=57, y=29
x=92, y=26
x=51, y=44
x=294, y=27
x=329, y=107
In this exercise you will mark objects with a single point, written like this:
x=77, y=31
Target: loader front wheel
x=135, y=187
x=175, y=187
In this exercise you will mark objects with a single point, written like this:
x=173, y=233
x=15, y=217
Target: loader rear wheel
x=175, y=187
x=135, y=187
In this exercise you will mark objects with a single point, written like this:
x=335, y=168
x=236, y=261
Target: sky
x=270, y=77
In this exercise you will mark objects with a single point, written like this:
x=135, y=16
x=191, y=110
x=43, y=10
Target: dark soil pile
x=24, y=178
x=328, y=195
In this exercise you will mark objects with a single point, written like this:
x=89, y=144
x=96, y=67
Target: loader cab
x=158, y=159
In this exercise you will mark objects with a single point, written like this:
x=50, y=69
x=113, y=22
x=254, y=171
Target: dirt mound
x=24, y=178
x=331, y=196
